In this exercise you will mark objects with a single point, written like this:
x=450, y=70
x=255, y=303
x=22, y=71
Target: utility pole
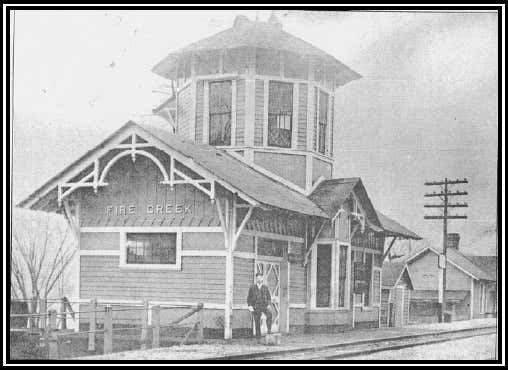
x=445, y=205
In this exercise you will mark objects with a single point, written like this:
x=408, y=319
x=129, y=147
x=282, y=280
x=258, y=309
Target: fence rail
x=53, y=331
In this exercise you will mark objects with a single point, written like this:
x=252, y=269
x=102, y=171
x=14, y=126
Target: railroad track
x=364, y=347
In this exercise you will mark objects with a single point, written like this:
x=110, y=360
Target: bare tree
x=43, y=248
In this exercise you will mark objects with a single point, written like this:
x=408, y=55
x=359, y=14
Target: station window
x=280, y=114
x=323, y=275
x=220, y=113
x=151, y=248
x=322, y=122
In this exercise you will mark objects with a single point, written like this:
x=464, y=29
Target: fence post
x=51, y=336
x=108, y=329
x=144, y=325
x=43, y=306
x=201, y=324
x=63, y=315
x=93, y=324
x=156, y=326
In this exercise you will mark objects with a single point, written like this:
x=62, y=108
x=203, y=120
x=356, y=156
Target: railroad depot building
x=230, y=176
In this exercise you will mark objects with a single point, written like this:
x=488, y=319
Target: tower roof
x=255, y=34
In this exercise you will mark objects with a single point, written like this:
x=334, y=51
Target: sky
x=425, y=107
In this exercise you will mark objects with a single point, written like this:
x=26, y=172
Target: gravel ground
x=474, y=348
x=219, y=348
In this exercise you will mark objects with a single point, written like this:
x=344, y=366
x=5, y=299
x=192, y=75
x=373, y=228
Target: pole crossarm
x=450, y=217
x=448, y=194
x=451, y=205
x=449, y=182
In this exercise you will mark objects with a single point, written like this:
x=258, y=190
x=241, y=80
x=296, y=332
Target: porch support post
x=229, y=238
x=389, y=247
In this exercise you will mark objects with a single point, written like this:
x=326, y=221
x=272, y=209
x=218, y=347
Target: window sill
x=149, y=267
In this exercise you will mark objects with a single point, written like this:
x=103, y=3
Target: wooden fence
x=51, y=324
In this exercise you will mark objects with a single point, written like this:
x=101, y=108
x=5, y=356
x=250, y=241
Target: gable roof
x=391, y=273
x=225, y=167
x=459, y=260
x=254, y=34
x=488, y=264
x=393, y=228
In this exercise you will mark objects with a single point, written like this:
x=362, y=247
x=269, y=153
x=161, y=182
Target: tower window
x=280, y=114
x=220, y=113
x=323, y=121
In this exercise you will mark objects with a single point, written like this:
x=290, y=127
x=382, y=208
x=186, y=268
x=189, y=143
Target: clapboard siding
x=203, y=241
x=302, y=117
x=184, y=111
x=201, y=279
x=328, y=317
x=199, y=111
x=424, y=274
x=99, y=241
x=332, y=123
x=321, y=168
x=243, y=279
x=296, y=283
x=288, y=166
x=240, y=112
x=362, y=315
x=259, y=115
x=315, y=119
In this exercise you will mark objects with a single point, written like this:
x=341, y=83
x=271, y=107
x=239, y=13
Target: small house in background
x=471, y=289
x=396, y=289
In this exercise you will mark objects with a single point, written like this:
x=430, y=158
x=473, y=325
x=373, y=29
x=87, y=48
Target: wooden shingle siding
x=240, y=112
x=245, y=243
x=184, y=109
x=203, y=241
x=296, y=283
x=138, y=184
x=288, y=166
x=321, y=168
x=343, y=228
x=99, y=241
x=201, y=279
x=243, y=279
x=199, y=111
x=302, y=117
x=259, y=115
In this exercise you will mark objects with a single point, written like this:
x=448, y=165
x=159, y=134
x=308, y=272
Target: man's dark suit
x=260, y=299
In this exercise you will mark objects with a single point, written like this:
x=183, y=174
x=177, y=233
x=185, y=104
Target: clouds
x=426, y=107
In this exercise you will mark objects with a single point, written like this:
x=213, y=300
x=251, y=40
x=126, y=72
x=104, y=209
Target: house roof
x=225, y=167
x=391, y=273
x=488, y=264
x=393, y=228
x=255, y=34
x=460, y=260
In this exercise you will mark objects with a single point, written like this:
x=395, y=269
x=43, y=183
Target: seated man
x=259, y=301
